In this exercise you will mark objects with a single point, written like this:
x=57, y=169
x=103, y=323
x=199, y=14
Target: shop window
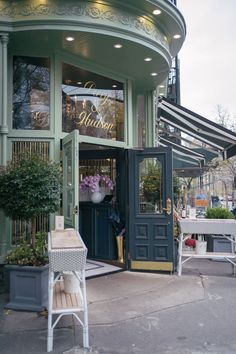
x=92, y=103
x=21, y=229
x=31, y=93
x=141, y=120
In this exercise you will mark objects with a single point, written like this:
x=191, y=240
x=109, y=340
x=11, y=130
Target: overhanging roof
x=217, y=137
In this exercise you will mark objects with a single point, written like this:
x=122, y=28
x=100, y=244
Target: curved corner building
x=79, y=83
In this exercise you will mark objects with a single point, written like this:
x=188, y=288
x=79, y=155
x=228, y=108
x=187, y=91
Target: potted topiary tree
x=29, y=187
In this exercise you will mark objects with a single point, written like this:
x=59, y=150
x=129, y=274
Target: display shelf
x=224, y=227
x=67, y=253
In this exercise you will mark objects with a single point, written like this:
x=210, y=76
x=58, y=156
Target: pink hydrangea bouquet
x=93, y=183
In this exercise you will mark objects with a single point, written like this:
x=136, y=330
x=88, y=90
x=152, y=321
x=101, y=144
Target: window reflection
x=150, y=186
x=141, y=117
x=92, y=103
x=31, y=93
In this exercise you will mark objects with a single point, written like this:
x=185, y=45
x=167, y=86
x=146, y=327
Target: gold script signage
x=90, y=114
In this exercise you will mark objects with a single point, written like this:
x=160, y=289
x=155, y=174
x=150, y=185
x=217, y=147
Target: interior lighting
x=79, y=83
x=118, y=46
x=148, y=59
x=70, y=39
x=177, y=36
x=156, y=12
x=153, y=74
x=114, y=86
x=161, y=86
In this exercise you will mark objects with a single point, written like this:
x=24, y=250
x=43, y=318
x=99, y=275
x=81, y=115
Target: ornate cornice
x=80, y=12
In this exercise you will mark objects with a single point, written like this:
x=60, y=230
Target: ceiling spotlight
x=153, y=74
x=79, y=83
x=114, y=86
x=118, y=46
x=156, y=12
x=177, y=36
x=70, y=39
x=148, y=59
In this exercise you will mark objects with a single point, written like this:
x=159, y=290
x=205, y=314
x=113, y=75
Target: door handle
x=75, y=210
x=168, y=206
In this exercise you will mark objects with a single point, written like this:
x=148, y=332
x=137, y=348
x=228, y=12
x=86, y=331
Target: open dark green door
x=151, y=241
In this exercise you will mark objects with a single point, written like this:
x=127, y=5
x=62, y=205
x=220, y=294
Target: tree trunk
x=33, y=230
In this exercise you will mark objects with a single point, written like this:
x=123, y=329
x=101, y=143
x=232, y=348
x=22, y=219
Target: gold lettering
x=84, y=119
x=90, y=85
x=41, y=119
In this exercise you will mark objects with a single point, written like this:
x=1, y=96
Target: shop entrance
x=141, y=198
x=94, y=220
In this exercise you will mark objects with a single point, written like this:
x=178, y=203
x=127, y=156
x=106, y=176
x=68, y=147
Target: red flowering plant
x=190, y=242
x=93, y=183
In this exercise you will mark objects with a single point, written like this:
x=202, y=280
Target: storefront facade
x=79, y=84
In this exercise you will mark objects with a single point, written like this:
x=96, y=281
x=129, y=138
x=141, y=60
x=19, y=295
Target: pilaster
x=3, y=98
x=3, y=132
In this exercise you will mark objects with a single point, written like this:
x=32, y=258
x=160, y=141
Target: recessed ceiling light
x=118, y=46
x=114, y=86
x=79, y=83
x=156, y=12
x=148, y=59
x=70, y=39
x=153, y=74
x=177, y=36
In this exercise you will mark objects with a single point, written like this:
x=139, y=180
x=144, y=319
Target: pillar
x=3, y=132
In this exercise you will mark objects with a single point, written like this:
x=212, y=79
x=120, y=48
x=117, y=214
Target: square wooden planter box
x=28, y=287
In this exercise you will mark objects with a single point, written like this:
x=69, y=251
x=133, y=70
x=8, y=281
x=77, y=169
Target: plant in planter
x=29, y=187
x=219, y=213
x=215, y=242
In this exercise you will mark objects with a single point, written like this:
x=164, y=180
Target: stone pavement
x=139, y=313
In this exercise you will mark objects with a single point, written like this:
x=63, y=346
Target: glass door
x=70, y=148
x=151, y=238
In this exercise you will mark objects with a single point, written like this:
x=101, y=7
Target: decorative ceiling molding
x=80, y=12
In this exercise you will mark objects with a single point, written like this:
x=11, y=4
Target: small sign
x=59, y=222
x=192, y=213
x=201, y=203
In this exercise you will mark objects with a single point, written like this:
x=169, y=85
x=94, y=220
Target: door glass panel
x=150, y=186
x=69, y=185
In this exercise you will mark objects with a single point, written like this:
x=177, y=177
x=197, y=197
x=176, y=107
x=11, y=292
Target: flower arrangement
x=93, y=183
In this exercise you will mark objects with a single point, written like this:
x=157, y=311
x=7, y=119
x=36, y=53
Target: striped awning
x=214, y=137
